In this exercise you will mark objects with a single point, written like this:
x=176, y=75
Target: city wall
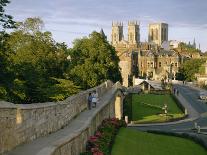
x=21, y=123
x=75, y=143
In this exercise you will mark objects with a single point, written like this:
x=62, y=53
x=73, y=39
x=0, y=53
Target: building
x=125, y=48
x=158, y=33
x=158, y=65
x=169, y=45
x=146, y=59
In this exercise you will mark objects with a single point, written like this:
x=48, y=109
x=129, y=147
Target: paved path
x=197, y=109
x=42, y=145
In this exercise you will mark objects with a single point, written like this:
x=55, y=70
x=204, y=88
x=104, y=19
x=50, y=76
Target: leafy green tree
x=5, y=20
x=30, y=25
x=35, y=60
x=93, y=61
x=188, y=48
x=190, y=68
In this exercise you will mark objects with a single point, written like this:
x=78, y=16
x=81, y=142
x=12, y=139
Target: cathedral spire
x=194, y=43
x=103, y=34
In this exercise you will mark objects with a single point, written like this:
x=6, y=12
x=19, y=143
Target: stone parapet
x=22, y=123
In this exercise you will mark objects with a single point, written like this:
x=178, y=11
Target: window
x=166, y=62
x=176, y=64
x=141, y=65
x=160, y=64
x=114, y=36
x=131, y=37
x=148, y=64
x=156, y=32
x=152, y=34
x=172, y=64
x=151, y=64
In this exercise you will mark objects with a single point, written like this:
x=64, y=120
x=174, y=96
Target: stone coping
x=9, y=105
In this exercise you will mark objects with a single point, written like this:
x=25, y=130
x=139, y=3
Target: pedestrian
x=174, y=89
x=94, y=98
x=177, y=92
x=89, y=101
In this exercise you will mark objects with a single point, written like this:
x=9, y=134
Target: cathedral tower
x=158, y=33
x=133, y=32
x=117, y=32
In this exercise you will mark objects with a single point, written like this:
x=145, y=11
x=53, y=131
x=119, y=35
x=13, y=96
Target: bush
x=101, y=142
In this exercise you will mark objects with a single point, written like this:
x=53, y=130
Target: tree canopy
x=6, y=21
x=94, y=61
x=35, y=68
x=188, y=48
x=190, y=68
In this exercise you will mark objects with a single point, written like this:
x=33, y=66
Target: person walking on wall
x=94, y=98
x=177, y=92
x=89, y=101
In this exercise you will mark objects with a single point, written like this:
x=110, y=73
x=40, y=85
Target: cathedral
x=144, y=59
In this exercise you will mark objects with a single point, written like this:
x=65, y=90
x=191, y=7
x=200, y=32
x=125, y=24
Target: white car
x=203, y=95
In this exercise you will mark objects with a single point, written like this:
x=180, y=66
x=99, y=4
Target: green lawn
x=133, y=142
x=145, y=108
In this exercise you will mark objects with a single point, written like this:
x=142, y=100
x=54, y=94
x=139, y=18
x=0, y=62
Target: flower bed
x=101, y=142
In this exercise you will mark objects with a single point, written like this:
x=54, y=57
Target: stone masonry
x=22, y=123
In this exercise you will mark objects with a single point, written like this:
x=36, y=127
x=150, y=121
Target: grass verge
x=133, y=142
x=147, y=108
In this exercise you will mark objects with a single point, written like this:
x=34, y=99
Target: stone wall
x=75, y=143
x=21, y=123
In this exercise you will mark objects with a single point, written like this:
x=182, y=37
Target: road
x=191, y=95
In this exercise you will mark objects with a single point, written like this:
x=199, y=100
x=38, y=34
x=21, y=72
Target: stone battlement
x=117, y=23
x=132, y=23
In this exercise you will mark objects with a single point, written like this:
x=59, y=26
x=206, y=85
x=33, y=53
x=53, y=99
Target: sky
x=71, y=19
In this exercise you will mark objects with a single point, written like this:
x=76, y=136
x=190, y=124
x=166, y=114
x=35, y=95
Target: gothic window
x=152, y=35
x=165, y=36
x=131, y=37
x=114, y=36
x=176, y=64
x=156, y=34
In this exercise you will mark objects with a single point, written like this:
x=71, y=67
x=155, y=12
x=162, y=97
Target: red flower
x=98, y=134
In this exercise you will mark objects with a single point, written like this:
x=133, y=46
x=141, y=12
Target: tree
x=188, y=48
x=5, y=20
x=30, y=25
x=94, y=61
x=37, y=64
x=190, y=68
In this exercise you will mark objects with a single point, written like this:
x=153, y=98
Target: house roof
x=153, y=84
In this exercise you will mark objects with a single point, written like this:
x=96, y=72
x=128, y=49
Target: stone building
x=158, y=65
x=158, y=33
x=144, y=59
x=125, y=48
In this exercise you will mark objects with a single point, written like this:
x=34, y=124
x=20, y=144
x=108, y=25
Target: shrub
x=101, y=142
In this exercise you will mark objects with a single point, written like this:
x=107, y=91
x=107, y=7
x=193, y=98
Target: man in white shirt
x=94, y=98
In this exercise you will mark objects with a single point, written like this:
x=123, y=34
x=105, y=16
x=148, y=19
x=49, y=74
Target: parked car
x=203, y=95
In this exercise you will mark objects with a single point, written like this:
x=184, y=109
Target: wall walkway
x=71, y=139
